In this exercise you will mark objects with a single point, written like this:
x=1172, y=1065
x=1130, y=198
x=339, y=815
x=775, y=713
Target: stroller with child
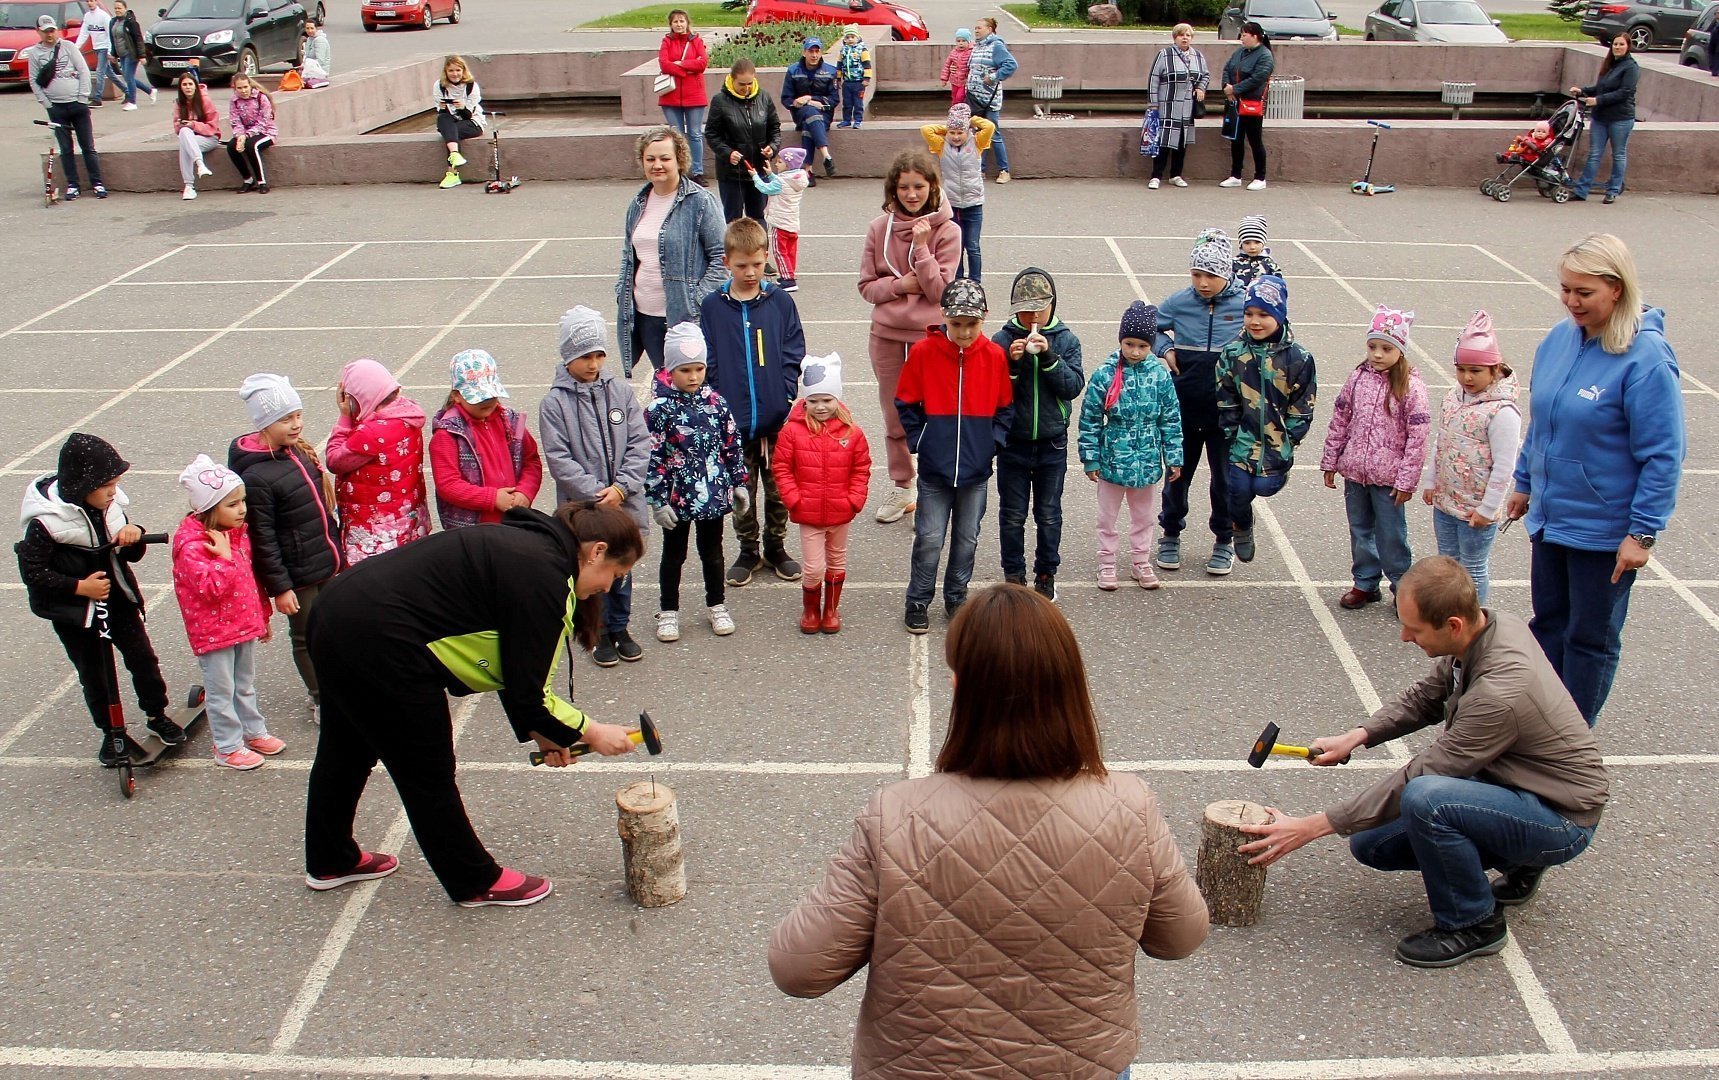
x=1543, y=154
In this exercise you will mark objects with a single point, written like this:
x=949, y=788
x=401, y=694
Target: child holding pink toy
x=376, y=453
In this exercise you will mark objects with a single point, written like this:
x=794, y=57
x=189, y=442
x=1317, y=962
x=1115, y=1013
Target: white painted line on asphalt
x=346, y=924
x=1430, y=369
x=59, y=436
x=1128, y=271
x=1374, y=1068
x=51, y=312
x=1695, y=602
x=919, y=724
x=477, y=302
x=1541, y=1012
x=28, y=720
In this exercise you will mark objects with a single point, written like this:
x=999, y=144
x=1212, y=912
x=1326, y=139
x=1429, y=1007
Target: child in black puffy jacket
x=295, y=547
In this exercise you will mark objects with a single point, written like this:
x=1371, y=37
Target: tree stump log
x=650, y=844
x=1233, y=889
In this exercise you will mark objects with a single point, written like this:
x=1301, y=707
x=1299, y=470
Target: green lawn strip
x=655, y=17
x=1536, y=26
x=1029, y=14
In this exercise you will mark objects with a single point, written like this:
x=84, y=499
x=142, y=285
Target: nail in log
x=1233, y=889
x=650, y=843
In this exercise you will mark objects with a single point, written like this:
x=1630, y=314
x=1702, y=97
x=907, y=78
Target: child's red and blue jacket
x=956, y=406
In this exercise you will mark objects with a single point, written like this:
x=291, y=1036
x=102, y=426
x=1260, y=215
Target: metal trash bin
x=1287, y=98
x=1456, y=95
x=1047, y=87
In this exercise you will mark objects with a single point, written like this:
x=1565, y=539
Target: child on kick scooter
x=76, y=553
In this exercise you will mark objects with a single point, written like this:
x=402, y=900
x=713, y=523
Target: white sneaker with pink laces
x=1107, y=578
x=243, y=759
x=266, y=745
x=1146, y=576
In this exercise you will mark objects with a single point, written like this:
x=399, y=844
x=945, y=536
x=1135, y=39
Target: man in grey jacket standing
x=1514, y=782
x=61, y=82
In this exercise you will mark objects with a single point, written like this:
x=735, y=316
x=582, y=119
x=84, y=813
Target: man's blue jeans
x=814, y=124
x=689, y=121
x=1578, y=618
x=1617, y=133
x=100, y=72
x=1031, y=468
x=1244, y=488
x=1378, y=534
x=1453, y=830
x=971, y=219
x=945, y=510
x=995, y=116
x=1468, y=545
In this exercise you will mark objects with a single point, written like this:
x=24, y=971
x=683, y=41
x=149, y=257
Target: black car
x=1695, y=41
x=224, y=37
x=1649, y=23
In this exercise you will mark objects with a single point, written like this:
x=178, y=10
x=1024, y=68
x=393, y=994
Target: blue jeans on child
x=971, y=219
x=230, y=694
x=689, y=121
x=1578, y=618
x=1617, y=133
x=940, y=507
x=1032, y=468
x=1244, y=488
x=618, y=605
x=1453, y=830
x=1378, y=534
x=853, y=101
x=1468, y=545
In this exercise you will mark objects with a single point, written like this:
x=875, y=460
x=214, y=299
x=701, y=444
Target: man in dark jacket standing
x=1514, y=782
x=742, y=129
x=1045, y=371
x=809, y=93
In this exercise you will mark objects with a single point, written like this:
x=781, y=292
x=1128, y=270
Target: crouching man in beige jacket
x=1514, y=782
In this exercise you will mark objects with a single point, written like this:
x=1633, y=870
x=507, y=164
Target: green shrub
x=1569, y=10
x=768, y=44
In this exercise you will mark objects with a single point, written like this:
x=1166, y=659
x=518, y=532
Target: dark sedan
x=221, y=38
x=1649, y=23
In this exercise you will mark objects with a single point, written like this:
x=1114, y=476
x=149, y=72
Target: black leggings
x=1172, y=158
x=452, y=129
x=709, y=556
x=1251, y=128
x=249, y=161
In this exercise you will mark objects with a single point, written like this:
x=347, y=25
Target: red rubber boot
x=832, y=618
x=810, y=617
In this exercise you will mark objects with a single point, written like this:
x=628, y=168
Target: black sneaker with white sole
x=745, y=565
x=1045, y=586
x=1517, y=886
x=1439, y=948
x=918, y=619
x=605, y=655
x=625, y=647
x=167, y=730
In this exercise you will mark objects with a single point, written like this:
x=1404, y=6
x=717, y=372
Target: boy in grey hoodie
x=592, y=431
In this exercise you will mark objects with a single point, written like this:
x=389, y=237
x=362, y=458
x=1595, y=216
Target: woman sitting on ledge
x=459, y=113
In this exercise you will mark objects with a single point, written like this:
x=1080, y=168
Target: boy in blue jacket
x=1045, y=370
x=1193, y=327
x=756, y=347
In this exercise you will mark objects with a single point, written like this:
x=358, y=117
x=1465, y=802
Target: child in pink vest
x=376, y=453
x=226, y=611
x=1467, y=476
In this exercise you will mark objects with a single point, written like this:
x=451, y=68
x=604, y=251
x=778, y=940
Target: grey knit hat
x=582, y=333
x=1212, y=254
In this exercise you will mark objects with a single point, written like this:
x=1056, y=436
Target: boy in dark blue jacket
x=1194, y=325
x=756, y=347
x=1045, y=370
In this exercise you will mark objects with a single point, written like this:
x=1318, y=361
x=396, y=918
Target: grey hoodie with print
x=593, y=435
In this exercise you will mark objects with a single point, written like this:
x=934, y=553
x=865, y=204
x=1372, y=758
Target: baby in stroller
x=1527, y=147
x=1540, y=153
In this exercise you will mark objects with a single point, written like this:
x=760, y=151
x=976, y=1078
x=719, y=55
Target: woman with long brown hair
x=1000, y=901
x=197, y=126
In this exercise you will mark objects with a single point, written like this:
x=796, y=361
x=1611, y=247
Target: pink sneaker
x=1147, y=578
x=529, y=890
x=371, y=865
x=1107, y=578
x=266, y=745
x=241, y=759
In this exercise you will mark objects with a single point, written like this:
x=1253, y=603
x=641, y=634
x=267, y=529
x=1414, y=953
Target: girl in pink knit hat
x=1467, y=476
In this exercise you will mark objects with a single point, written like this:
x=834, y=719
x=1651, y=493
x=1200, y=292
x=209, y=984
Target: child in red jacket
x=823, y=472
x=376, y=453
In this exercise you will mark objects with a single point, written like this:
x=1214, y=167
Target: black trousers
x=1173, y=513
x=739, y=198
x=366, y=719
x=249, y=161
x=709, y=557
x=1251, y=128
x=84, y=647
x=74, y=119
x=1173, y=158
x=452, y=129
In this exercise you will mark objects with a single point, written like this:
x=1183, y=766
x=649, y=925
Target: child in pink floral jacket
x=226, y=612
x=1378, y=442
x=376, y=453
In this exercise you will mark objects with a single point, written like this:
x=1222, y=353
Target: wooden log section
x=650, y=844
x=1232, y=888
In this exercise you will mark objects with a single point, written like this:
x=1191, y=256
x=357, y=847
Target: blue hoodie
x=1604, y=449
x=1198, y=329
x=756, y=348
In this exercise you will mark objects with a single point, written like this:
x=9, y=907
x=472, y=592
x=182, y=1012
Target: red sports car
x=18, y=32
x=421, y=14
x=904, y=23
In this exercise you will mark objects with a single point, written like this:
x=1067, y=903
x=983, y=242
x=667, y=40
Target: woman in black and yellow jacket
x=450, y=615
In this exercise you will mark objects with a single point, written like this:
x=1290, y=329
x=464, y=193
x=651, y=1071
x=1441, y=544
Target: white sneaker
x=315, y=713
x=1177, y=181
x=130, y=106
x=204, y=170
x=668, y=626
x=899, y=501
x=1234, y=181
x=1152, y=184
x=189, y=193
x=152, y=95
x=721, y=622
x=1257, y=185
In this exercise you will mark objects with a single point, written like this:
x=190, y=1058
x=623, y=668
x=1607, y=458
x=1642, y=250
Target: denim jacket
x=690, y=252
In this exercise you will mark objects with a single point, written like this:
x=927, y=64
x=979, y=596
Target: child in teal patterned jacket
x=1130, y=442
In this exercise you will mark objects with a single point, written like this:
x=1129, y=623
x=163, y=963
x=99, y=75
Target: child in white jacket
x=786, y=185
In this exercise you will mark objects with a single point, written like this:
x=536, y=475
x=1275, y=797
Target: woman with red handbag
x=1247, y=76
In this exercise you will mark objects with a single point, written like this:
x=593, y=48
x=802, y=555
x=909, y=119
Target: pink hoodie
x=890, y=255
x=378, y=465
x=220, y=599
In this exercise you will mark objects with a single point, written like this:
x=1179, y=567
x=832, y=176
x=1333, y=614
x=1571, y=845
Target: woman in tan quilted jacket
x=1000, y=900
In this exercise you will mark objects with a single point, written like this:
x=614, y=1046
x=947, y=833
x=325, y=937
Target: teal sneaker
x=1169, y=555
x=1244, y=545
x=1223, y=560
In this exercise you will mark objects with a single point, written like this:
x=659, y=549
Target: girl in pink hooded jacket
x=376, y=453
x=226, y=611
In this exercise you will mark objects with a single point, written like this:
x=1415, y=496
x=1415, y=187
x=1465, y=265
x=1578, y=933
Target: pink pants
x=823, y=548
x=1142, y=516
x=887, y=360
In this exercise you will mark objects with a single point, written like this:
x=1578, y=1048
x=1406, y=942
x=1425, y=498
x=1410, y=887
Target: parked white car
x=1448, y=21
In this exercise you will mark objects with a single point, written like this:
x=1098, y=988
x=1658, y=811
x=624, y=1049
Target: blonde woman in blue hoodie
x=1600, y=466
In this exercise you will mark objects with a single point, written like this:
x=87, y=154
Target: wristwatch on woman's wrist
x=1645, y=539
